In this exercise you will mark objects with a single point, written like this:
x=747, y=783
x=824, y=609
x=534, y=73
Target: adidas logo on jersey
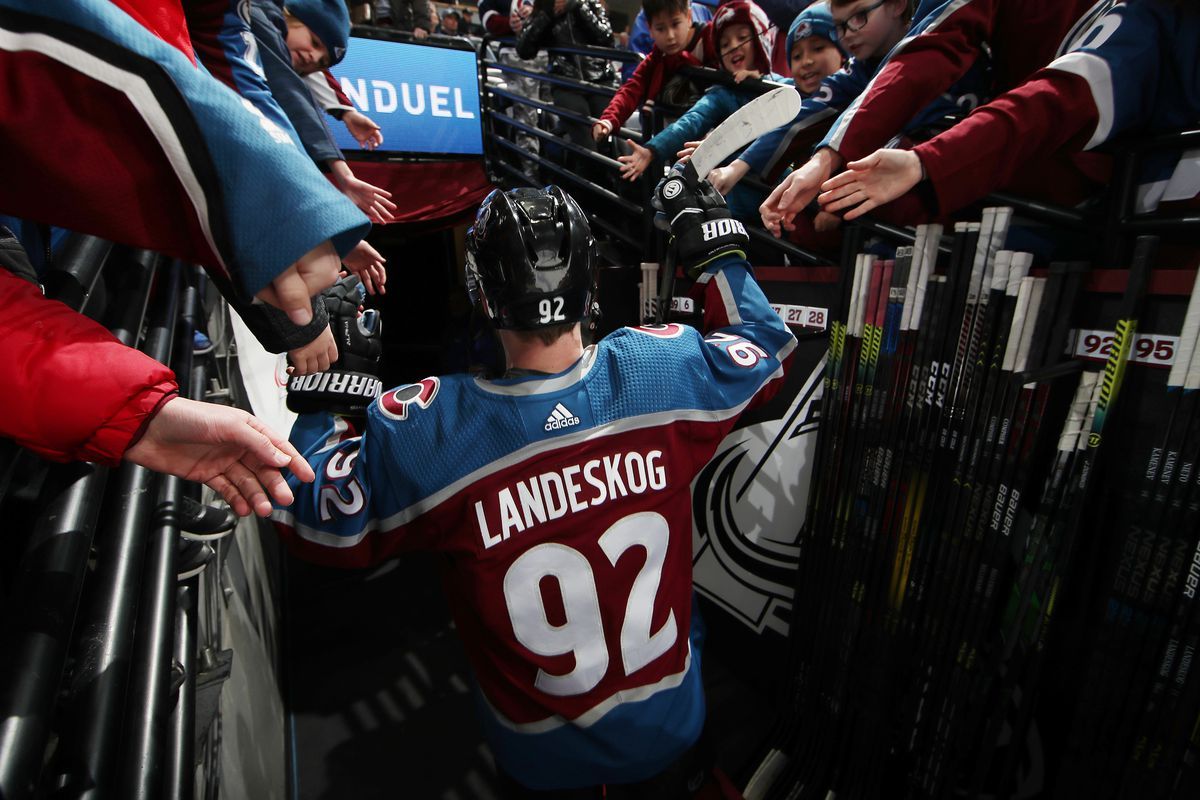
x=561, y=417
x=721, y=227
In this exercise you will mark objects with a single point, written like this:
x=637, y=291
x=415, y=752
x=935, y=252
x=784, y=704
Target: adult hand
x=601, y=129
x=363, y=129
x=316, y=356
x=723, y=179
x=367, y=263
x=634, y=164
x=293, y=289
x=797, y=191
x=232, y=452
x=419, y=33
x=372, y=200
x=870, y=182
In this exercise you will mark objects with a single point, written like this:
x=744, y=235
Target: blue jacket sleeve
x=288, y=88
x=230, y=192
x=709, y=111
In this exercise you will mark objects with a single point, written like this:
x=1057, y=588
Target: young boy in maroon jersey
x=678, y=42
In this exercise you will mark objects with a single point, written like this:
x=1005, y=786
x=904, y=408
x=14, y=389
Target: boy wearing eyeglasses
x=947, y=38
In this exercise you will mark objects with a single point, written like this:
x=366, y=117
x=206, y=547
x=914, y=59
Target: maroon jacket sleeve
x=634, y=91
x=496, y=23
x=984, y=152
x=913, y=78
x=72, y=391
x=337, y=88
x=1022, y=35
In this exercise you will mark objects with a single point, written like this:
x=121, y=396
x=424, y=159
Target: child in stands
x=948, y=37
x=678, y=42
x=742, y=34
x=814, y=53
x=1132, y=69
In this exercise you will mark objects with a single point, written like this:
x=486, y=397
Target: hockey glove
x=701, y=226
x=352, y=382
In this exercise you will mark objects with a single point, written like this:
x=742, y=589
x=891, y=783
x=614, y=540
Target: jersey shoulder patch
x=398, y=403
x=669, y=330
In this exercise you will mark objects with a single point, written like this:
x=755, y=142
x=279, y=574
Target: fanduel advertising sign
x=425, y=98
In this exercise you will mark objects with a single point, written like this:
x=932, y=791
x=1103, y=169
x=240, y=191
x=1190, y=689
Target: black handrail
x=1116, y=226
x=105, y=630
x=36, y=631
x=146, y=710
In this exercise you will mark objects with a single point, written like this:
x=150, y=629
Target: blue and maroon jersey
x=1126, y=68
x=563, y=506
x=946, y=38
x=110, y=128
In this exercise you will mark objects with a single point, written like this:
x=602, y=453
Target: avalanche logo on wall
x=748, y=505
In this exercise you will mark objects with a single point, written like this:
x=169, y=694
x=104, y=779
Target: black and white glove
x=700, y=223
x=352, y=382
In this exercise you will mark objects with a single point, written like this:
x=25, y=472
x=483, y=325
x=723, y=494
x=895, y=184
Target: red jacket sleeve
x=634, y=91
x=337, y=88
x=72, y=391
x=496, y=23
x=985, y=151
x=926, y=66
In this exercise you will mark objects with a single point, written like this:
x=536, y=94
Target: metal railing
x=98, y=636
x=1111, y=218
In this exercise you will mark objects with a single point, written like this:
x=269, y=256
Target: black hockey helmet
x=531, y=259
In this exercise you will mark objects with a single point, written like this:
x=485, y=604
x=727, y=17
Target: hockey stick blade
x=761, y=115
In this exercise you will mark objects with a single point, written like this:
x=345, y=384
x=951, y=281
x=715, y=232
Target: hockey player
x=1134, y=68
x=559, y=492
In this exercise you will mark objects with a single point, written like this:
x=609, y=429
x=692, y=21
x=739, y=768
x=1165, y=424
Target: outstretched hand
x=316, y=356
x=230, y=451
x=870, y=182
x=370, y=199
x=795, y=192
x=364, y=129
x=293, y=289
x=634, y=164
x=688, y=149
x=723, y=179
x=367, y=263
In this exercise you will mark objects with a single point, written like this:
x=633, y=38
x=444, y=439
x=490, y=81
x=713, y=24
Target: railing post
x=104, y=638
x=146, y=711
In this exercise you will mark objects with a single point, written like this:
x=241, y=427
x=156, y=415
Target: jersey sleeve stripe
x=597, y=712
x=1098, y=75
x=141, y=97
x=838, y=133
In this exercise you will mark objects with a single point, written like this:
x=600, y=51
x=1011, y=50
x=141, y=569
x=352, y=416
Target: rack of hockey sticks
x=953, y=481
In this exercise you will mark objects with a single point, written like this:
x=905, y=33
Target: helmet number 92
x=550, y=309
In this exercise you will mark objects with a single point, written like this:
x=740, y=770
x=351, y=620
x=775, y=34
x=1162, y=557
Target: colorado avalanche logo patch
x=395, y=403
x=668, y=331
